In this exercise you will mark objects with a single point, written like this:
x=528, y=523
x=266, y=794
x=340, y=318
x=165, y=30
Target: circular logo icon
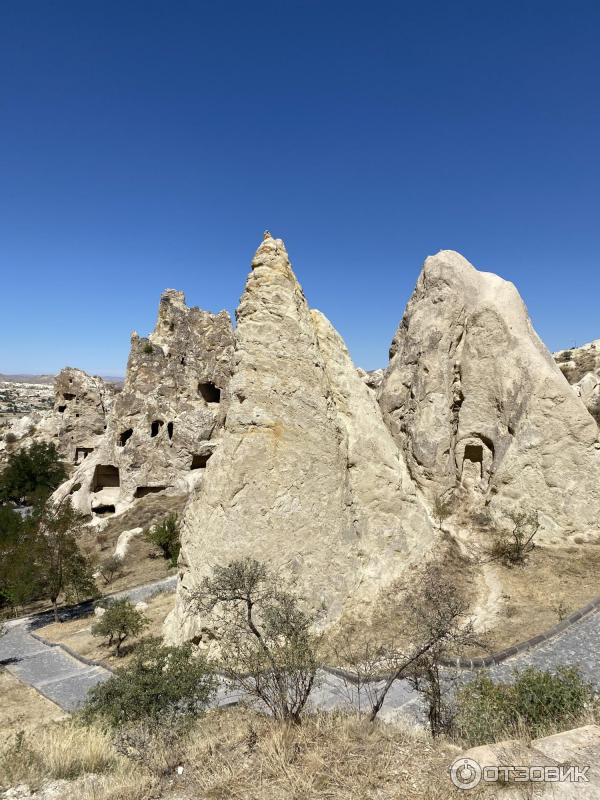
x=465, y=773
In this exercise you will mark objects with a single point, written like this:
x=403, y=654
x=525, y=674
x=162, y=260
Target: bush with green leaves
x=165, y=535
x=31, y=474
x=534, y=703
x=161, y=684
x=120, y=621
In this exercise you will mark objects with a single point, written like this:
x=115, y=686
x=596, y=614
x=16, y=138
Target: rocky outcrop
x=160, y=432
x=76, y=422
x=81, y=406
x=306, y=477
x=477, y=404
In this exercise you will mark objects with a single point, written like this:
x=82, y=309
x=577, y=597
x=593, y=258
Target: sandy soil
x=22, y=708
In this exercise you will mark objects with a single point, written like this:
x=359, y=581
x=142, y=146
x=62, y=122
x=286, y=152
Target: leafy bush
x=120, y=621
x=535, y=701
x=165, y=535
x=10, y=438
x=31, y=474
x=148, y=349
x=161, y=683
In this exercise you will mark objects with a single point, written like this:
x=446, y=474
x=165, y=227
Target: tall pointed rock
x=281, y=488
x=479, y=407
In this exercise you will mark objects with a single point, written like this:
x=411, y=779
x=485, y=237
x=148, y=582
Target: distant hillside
x=48, y=380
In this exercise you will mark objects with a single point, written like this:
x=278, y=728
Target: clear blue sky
x=146, y=145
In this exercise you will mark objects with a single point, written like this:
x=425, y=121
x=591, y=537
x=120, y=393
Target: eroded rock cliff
x=477, y=403
x=161, y=429
x=306, y=477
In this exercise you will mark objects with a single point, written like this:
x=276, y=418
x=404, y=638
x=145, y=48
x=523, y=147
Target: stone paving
x=66, y=680
x=56, y=674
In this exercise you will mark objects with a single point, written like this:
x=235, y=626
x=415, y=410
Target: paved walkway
x=51, y=670
x=65, y=679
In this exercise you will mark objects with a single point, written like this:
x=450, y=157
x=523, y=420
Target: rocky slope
x=581, y=367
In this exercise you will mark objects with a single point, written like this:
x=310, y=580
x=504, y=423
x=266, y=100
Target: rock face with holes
x=77, y=420
x=82, y=404
x=306, y=478
x=162, y=426
x=479, y=406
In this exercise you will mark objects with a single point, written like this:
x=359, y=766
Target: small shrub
x=148, y=349
x=169, y=684
x=165, y=535
x=120, y=621
x=536, y=701
x=110, y=568
x=566, y=356
x=514, y=547
x=10, y=437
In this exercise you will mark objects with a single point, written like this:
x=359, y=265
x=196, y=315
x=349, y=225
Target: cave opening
x=142, y=491
x=155, y=427
x=105, y=476
x=199, y=461
x=125, y=436
x=209, y=392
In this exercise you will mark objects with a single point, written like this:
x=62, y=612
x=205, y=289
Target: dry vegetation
x=22, y=708
x=552, y=584
x=77, y=633
x=241, y=755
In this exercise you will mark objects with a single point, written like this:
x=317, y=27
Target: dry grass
x=77, y=633
x=241, y=755
x=551, y=585
x=22, y=708
x=64, y=750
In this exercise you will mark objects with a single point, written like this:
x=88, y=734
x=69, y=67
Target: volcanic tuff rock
x=306, y=476
x=82, y=404
x=77, y=420
x=474, y=399
x=161, y=428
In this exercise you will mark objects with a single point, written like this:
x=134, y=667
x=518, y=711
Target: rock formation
x=306, y=477
x=77, y=420
x=159, y=434
x=581, y=367
x=81, y=406
x=474, y=400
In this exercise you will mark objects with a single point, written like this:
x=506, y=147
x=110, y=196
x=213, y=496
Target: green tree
x=120, y=621
x=62, y=567
x=161, y=684
x=267, y=647
x=19, y=574
x=31, y=474
x=165, y=535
